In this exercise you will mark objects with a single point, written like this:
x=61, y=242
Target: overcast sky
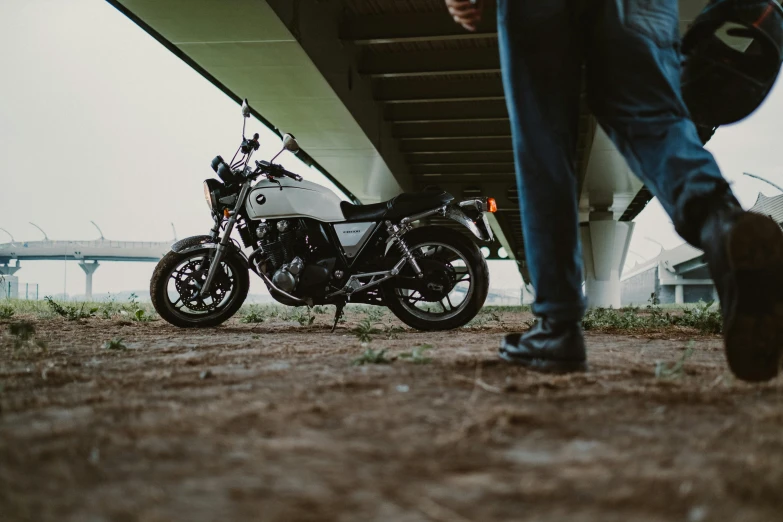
x=100, y=122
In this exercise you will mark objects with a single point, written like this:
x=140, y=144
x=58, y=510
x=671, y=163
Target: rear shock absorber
x=395, y=233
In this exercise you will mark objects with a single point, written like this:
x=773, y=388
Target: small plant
x=417, y=354
x=392, y=331
x=370, y=356
x=6, y=311
x=109, y=308
x=254, y=314
x=115, y=344
x=675, y=370
x=70, y=312
x=142, y=316
x=23, y=333
x=320, y=310
x=365, y=330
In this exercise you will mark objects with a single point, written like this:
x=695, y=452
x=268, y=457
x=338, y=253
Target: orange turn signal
x=492, y=205
x=225, y=213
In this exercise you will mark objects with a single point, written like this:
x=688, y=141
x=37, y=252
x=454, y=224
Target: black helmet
x=733, y=53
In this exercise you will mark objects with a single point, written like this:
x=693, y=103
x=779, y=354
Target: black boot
x=744, y=252
x=548, y=347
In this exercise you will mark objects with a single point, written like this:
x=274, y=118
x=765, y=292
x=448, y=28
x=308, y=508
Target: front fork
x=220, y=251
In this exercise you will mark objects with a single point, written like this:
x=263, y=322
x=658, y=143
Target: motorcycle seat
x=396, y=208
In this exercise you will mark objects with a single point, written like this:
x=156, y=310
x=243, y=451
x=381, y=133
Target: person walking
x=629, y=50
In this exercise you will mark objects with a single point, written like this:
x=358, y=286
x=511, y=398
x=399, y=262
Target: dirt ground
x=272, y=421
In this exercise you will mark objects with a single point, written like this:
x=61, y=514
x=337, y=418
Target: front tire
x=174, y=289
x=449, y=259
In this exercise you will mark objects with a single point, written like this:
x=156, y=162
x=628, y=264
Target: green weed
x=7, y=311
x=370, y=356
x=674, y=370
x=23, y=333
x=70, y=312
x=115, y=344
x=365, y=330
x=417, y=354
x=253, y=314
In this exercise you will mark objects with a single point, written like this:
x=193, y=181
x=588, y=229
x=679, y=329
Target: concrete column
x=679, y=294
x=8, y=270
x=604, y=248
x=89, y=269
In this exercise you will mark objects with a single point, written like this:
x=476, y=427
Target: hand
x=465, y=12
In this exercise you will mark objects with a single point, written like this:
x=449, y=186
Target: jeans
x=630, y=53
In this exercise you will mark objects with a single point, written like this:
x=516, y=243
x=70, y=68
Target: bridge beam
x=89, y=269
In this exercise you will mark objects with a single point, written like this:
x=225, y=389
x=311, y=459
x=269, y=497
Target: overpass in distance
x=87, y=253
x=387, y=96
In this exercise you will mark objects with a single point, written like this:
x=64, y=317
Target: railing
x=18, y=290
x=93, y=244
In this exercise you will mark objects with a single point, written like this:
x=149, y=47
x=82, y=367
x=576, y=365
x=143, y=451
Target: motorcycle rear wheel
x=449, y=260
x=175, y=283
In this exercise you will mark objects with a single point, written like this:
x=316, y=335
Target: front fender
x=480, y=227
x=195, y=243
x=192, y=243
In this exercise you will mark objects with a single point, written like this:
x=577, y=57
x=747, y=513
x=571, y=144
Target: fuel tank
x=296, y=199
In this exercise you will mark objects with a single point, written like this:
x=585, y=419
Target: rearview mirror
x=245, y=108
x=290, y=144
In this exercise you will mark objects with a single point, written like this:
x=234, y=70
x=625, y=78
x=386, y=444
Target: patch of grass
x=304, y=317
x=7, y=311
x=23, y=333
x=417, y=354
x=370, y=356
x=674, y=370
x=701, y=316
x=115, y=344
x=70, y=312
x=253, y=314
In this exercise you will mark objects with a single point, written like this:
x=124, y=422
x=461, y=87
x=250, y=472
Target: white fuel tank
x=297, y=199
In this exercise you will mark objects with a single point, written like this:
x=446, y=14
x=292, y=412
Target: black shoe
x=744, y=252
x=548, y=347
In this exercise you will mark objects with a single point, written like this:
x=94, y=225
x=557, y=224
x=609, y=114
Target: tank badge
x=260, y=199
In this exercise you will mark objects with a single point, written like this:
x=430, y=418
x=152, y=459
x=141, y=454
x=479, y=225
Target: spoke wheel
x=176, y=289
x=454, y=285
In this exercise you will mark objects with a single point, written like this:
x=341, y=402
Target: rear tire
x=476, y=265
x=164, y=275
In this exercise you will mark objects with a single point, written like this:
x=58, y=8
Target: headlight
x=212, y=193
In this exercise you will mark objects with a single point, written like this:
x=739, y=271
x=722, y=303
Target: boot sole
x=546, y=365
x=753, y=319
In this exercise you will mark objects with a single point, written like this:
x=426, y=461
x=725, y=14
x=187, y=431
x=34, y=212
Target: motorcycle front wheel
x=177, y=281
x=454, y=286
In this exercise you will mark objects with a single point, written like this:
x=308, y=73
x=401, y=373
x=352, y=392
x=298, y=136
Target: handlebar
x=272, y=170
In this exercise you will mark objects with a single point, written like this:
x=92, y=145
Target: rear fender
x=479, y=226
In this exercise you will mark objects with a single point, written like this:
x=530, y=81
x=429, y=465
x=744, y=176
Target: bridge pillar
x=8, y=270
x=89, y=269
x=604, y=247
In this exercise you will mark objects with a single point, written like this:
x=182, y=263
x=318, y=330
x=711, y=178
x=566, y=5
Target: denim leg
x=633, y=64
x=541, y=58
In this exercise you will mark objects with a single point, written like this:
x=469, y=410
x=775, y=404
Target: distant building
x=680, y=275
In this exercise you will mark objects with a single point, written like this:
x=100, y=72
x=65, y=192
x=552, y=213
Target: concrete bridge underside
x=387, y=96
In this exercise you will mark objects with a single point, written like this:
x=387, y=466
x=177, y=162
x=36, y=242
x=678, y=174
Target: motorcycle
x=310, y=248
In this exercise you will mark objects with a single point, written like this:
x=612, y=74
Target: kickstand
x=338, y=314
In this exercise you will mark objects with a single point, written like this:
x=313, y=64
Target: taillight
x=492, y=205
